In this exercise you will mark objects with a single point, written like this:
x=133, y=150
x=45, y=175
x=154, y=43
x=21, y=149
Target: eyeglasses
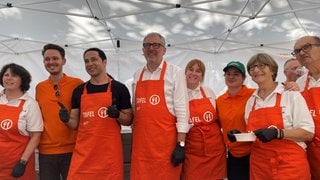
x=260, y=66
x=56, y=88
x=154, y=45
x=305, y=48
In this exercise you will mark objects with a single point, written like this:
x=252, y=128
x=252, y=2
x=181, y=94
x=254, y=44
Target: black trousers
x=238, y=167
x=54, y=166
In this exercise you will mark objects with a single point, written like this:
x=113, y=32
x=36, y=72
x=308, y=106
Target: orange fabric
x=231, y=116
x=56, y=137
x=205, y=149
x=98, y=151
x=13, y=144
x=154, y=133
x=277, y=159
x=312, y=97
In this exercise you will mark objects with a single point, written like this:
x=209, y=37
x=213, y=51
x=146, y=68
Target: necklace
x=265, y=93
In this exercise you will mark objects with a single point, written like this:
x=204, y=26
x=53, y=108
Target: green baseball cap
x=236, y=64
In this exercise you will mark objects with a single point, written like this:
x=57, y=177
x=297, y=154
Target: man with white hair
x=307, y=51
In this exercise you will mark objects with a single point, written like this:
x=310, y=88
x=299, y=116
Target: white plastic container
x=245, y=137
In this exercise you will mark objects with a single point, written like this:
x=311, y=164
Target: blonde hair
x=199, y=63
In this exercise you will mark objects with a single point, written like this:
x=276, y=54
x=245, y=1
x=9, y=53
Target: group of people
x=180, y=129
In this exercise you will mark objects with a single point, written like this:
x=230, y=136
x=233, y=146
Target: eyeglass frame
x=305, y=48
x=56, y=88
x=154, y=45
x=259, y=66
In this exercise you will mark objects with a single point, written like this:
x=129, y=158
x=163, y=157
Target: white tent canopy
x=215, y=31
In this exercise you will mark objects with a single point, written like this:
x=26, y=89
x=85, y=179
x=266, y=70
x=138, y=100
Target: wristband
x=24, y=162
x=281, y=134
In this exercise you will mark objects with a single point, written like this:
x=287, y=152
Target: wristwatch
x=24, y=162
x=181, y=143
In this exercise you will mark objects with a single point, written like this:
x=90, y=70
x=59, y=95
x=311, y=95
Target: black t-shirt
x=120, y=94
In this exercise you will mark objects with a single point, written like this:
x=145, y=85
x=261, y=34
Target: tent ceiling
x=213, y=26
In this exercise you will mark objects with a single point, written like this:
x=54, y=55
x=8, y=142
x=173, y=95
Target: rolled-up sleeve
x=181, y=102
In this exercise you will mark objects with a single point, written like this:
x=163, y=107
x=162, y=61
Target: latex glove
x=266, y=134
x=113, y=111
x=18, y=170
x=63, y=113
x=231, y=135
x=178, y=156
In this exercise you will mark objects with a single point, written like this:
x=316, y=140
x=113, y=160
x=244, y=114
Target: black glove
x=231, y=135
x=266, y=134
x=177, y=156
x=18, y=169
x=113, y=112
x=63, y=113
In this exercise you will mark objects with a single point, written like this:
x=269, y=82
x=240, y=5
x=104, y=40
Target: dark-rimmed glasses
x=259, y=66
x=56, y=88
x=305, y=48
x=154, y=45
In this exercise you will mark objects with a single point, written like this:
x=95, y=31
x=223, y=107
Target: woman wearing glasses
x=281, y=121
x=21, y=124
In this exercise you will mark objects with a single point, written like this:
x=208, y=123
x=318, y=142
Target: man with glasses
x=292, y=69
x=307, y=51
x=160, y=123
x=57, y=141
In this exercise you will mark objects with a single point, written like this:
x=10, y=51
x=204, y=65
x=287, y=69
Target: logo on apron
x=6, y=124
x=102, y=112
x=208, y=116
x=154, y=100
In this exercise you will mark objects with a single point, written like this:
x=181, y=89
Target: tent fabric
x=215, y=31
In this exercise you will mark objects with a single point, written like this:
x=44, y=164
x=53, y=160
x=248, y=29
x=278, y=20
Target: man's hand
x=177, y=156
x=266, y=134
x=18, y=169
x=231, y=135
x=291, y=86
x=63, y=113
x=113, y=112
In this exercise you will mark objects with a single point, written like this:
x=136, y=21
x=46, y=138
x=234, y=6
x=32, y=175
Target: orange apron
x=277, y=159
x=13, y=144
x=312, y=97
x=205, y=149
x=154, y=133
x=98, y=150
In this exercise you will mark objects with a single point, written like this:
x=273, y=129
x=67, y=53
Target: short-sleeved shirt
x=120, y=94
x=196, y=94
x=295, y=112
x=30, y=118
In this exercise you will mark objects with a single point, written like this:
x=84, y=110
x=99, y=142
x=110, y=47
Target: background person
x=292, y=70
x=231, y=108
x=99, y=107
x=21, y=124
x=160, y=115
x=281, y=121
x=57, y=140
x=307, y=51
x=205, y=150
